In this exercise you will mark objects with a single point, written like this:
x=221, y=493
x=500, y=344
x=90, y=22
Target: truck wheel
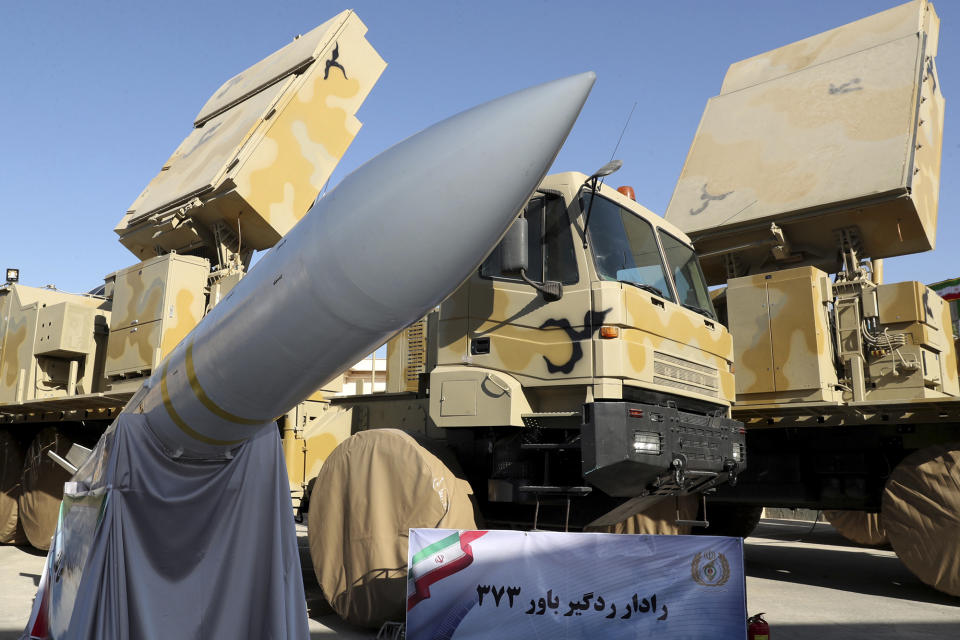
x=11, y=466
x=42, y=486
x=921, y=514
x=735, y=520
x=860, y=527
x=372, y=488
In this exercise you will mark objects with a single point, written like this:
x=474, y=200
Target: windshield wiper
x=646, y=287
x=696, y=309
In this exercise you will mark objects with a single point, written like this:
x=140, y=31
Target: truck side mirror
x=514, y=252
x=515, y=258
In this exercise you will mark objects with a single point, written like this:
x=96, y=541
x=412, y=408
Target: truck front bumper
x=631, y=449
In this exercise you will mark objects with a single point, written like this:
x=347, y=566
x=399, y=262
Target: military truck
x=582, y=365
x=815, y=162
x=578, y=377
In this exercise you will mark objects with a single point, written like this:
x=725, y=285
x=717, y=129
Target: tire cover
x=921, y=514
x=659, y=519
x=42, y=486
x=860, y=527
x=372, y=488
x=11, y=468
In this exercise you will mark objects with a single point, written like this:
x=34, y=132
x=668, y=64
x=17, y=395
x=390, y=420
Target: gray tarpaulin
x=150, y=547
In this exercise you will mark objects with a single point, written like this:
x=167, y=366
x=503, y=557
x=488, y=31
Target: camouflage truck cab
x=600, y=365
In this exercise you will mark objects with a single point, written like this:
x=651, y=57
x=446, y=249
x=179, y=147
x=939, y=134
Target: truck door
x=512, y=327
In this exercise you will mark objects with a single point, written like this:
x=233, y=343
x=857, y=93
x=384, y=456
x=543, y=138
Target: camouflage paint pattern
x=199, y=163
x=296, y=448
x=133, y=351
x=899, y=22
x=66, y=329
x=541, y=353
x=908, y=302
x=6, y=304
x=155, y=304
x=18, y=362
x=328, y=425
x=282, y=176
x=895, y=381
x=265, y=145
x=782, y=344
x=842, y=129
x=138, y=294
x=187, y=304
x=949, y=290
x=536, y=342
x=452, y=341
x=673, y=350
x=951, y=369
x=784, y=350
x=39, y=336
x=918, y=312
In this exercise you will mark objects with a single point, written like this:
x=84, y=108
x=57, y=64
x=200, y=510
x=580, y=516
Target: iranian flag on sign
x=437, y=561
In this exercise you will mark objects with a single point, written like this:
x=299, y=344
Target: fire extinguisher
x=757, y=628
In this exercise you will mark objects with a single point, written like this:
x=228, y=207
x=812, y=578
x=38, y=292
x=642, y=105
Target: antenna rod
x=620, y=139
x=625, y=124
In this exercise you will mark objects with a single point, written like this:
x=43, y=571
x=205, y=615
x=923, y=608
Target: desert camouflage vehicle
x=823, y=157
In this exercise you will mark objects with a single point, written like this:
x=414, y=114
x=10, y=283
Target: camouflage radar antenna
x=828, y=141
x=261, y=149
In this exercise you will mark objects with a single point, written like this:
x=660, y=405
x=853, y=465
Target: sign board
x=515, y=584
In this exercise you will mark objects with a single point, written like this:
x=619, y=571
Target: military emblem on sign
x=710, y=569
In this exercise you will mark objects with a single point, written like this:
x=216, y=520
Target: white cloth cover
x=149, y=547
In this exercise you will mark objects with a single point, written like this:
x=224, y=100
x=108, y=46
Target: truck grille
x=416, y=363
x=683, y=374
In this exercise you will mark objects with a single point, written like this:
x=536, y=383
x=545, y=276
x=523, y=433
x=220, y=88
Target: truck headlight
x=738, y=453
x=648, y=442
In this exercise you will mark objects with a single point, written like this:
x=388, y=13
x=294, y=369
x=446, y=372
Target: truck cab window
x=550, y=244
x=687, y=275
x=625, y=248
x=559, y=256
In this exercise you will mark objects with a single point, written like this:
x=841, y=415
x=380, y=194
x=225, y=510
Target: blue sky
x=97, y=94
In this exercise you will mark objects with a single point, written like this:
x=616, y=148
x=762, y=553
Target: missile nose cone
x=451, y=190
x=383, y=248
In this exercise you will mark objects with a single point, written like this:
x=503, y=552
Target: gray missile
x=388, y=244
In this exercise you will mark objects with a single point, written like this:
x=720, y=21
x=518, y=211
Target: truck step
x=552, y=419
x=693, y=523
x=550, y=446
x=542, y=490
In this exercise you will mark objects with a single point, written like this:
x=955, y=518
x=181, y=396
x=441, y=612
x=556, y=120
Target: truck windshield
x=625, y=248
x=687, y=275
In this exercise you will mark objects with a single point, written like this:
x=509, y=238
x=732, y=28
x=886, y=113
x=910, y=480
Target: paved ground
x=20, y=569
x=814, y=584
x=809, y=581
